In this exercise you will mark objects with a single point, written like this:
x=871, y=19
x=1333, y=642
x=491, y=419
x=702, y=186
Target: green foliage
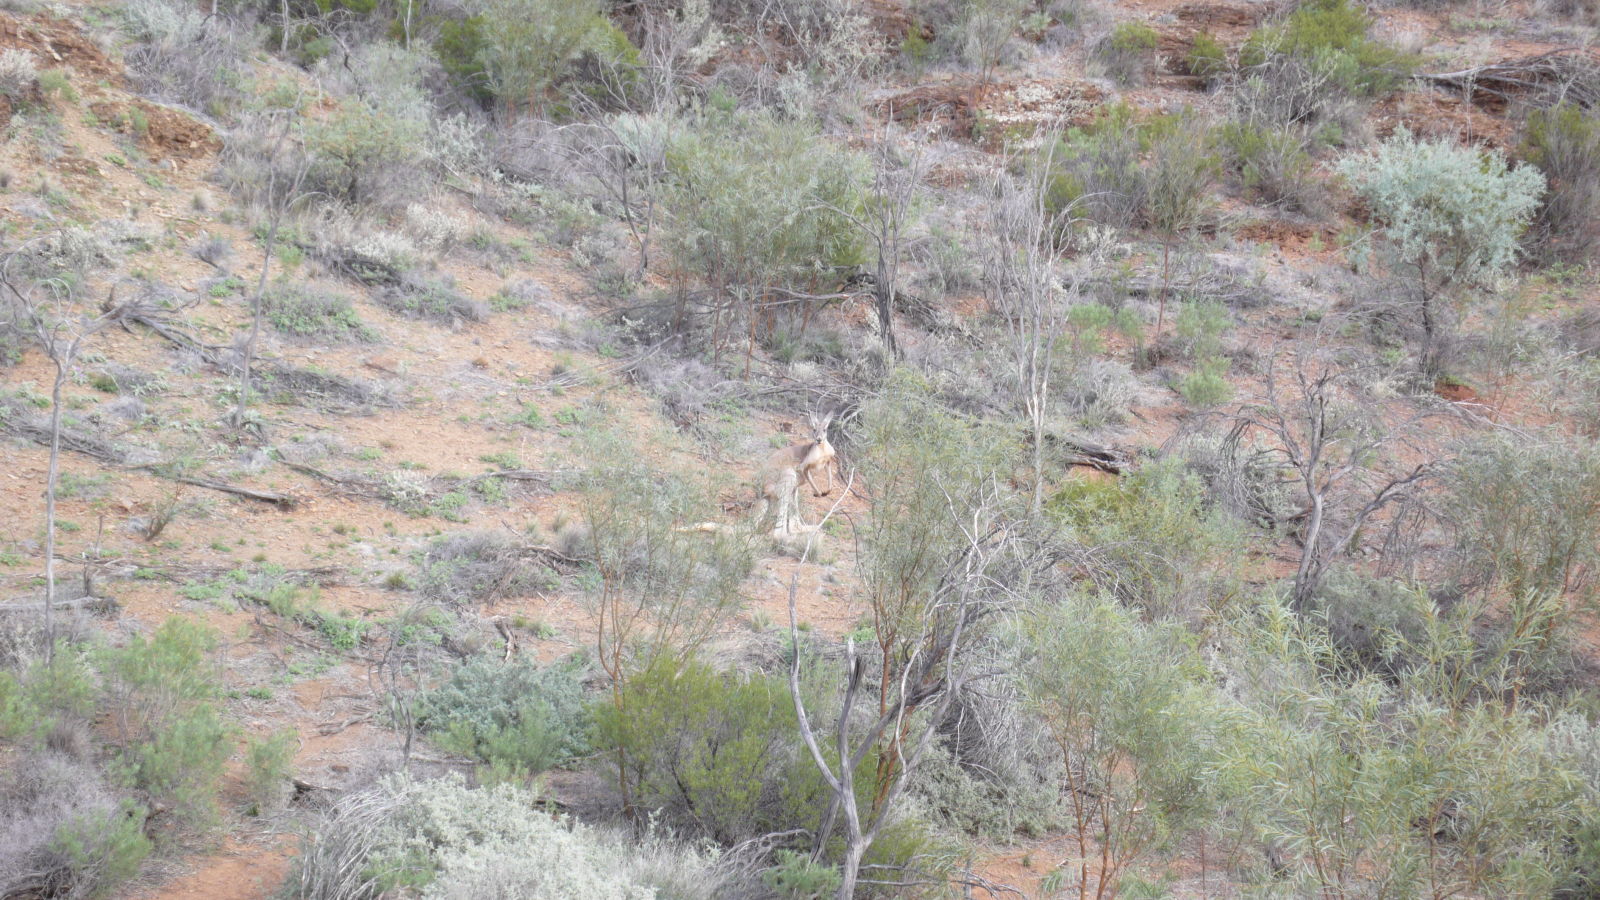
x=1127, y=51
x=518, y=717
x=1208, y=59
x=795, y=877
x=1563, y=142
x=57, y=83
x=718, y=755
x=294, y=308
x=435, y=300
x=524, y=46
x=179, y=765
x=1159, y=545
x=1127, y=172
x=359, y=144
x=655, y=589
x=1133, y=718
x=1450, y=217
x=103, y=849
x=1367, y=790
x=48, y=692
x=1334, y=34
x=1207, y=385
x=926, y=461
x=756, y=202
x=1527, y=514
x=1450, y=213
x=174, y=744
x=1273, y=163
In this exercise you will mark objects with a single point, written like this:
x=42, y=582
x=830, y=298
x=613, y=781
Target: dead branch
x=1568, y=75
x=104, y=606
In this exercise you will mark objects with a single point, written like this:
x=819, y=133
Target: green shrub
x=524, y=46
x=179, y=766
x=173, y=742
x=102, y=851
x=436, y=301
x=1564, y=143
x=1134, y=719
x=268, y=762
x=1127, y=173
x=57, y=83
x=1208, y=60
x=49, y=692
x=1207, y=385
x=1363, y=789
x=1127, y=51
x=715, y=754
x=1333, y=33
x=296, y=309
x=518, y=717
x=1449, y=217
x=1273, y=163
x=1158, y=544
x=1527, y=516
x=795, y=877
x=758, y=203
x=360, y=146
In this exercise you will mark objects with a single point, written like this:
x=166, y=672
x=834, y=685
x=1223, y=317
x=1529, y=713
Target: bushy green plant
x=1358, y=788
x=174, y=743
x=1274, y=163
x=519, y=717
x=358, y=146
x=794, y=876
x=55, y=690
x=1127, y=51
x=102, y=850
x=296, y=309
x=1527, y=514
x=1208, y=59
x=715, y=754
x=1564, y=143
x=1134, y=720
x=1333, y=33
x=1123, y=171
x=524, y=46
x=267, y=766
x=1158, y=543
x=758, y=203
x=1449, y=217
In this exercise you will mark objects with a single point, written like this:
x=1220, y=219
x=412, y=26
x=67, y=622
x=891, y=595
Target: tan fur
x=780, y=478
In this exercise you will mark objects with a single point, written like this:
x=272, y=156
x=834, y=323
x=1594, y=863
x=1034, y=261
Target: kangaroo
x=780, y=476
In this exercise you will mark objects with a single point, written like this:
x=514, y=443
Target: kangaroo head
x=819, y=428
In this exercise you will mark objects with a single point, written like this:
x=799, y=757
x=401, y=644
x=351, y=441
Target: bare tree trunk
x=278, y=208
x=51, y=477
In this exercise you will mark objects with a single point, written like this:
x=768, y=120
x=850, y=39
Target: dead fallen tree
x=1570, y=75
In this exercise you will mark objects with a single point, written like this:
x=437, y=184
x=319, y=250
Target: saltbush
x=518, y=717
x=441, y=840
x=1449, y=217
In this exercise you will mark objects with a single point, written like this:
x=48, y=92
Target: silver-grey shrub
x=445, y=840
x=1450, y=217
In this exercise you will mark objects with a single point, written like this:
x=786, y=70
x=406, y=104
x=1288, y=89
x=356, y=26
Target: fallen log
x=1569, y=75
